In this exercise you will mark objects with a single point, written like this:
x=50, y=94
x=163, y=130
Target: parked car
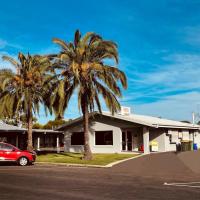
x=11, y=153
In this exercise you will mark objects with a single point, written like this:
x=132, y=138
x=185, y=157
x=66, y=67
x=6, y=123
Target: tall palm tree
x=27, y=88
x=84, y=67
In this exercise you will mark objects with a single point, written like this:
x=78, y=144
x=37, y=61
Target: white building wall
x=146, y=140
x=197, y=138
x=117, y=139
x=167, y=138
x=167, y=142
x=173, y=139
x=67, y=142
x=177, y=136
x=95, y=126
x=158, y=135
x=185, y=134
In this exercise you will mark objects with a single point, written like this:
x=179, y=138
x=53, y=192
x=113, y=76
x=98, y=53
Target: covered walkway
x=43, y=140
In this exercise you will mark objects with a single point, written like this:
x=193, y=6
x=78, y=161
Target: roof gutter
x=169, y=126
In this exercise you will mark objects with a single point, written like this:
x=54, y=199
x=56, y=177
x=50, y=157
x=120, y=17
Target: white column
x=58, y=144
x=146, y=140
x=38, y=143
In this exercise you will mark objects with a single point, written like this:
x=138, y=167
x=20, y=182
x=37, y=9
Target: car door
x=1, y=152
x=8, y=152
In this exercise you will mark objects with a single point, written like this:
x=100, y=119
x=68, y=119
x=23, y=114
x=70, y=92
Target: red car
x=9, y=153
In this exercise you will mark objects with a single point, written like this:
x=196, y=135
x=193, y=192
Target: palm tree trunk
x=30, y=125
x=87, y=151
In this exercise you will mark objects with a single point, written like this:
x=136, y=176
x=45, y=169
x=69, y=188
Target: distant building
x=43, y=140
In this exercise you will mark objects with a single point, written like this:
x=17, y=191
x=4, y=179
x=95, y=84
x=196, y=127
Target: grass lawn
x=75, y=158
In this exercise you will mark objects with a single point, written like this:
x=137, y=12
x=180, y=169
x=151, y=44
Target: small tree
x=52, y=124
x=37, y=126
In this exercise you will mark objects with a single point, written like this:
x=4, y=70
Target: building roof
x=46, y=131
x=8, y=127
x=153, y=121
x=150, y=121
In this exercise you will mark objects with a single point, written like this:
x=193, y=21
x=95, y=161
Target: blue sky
x=159, y=45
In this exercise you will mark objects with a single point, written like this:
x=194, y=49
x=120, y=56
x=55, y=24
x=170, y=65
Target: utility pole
x=193, y=117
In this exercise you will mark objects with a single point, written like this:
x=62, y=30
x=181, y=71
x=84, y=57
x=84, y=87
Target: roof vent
x=125, y=110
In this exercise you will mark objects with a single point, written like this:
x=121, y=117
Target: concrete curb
x=88, y=165
x=70, y=164
x=124, y=160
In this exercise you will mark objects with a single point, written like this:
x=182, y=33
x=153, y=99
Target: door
x=7, y=152
x=129, y=141
x=123, y=141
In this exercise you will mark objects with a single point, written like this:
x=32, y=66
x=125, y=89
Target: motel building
x=122, y=132
x=127, y=132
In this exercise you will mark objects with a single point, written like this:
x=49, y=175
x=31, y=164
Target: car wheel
x=23, y=161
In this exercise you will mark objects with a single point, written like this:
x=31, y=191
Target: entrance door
x=127, y=142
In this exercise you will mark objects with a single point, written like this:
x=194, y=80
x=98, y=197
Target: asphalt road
x=65, y=183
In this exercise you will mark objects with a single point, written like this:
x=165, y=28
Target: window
x=6, y=147
x=77, y=138
x=180, y=134
x=1, y=146
x=170, y=138
x=103, y=138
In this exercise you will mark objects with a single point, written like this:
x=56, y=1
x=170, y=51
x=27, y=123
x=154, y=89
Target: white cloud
x=182, y=73
x=5, y=64
x=178, y=107
x=4, y=44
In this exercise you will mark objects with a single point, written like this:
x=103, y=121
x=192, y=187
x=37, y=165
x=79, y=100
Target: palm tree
x=84, y=67
x=4, y=108
x=27, y=88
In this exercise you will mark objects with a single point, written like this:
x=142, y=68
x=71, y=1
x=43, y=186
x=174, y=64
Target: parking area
x=133, y=179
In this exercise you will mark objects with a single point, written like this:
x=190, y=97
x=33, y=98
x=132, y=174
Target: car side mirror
x=13, y=150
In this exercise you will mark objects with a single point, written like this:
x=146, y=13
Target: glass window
x=180, y=134
x=103, y=138
x=77, y=138
x=6, y=147
x=1, y=146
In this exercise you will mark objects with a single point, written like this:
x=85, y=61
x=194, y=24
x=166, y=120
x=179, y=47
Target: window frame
x=107, y=145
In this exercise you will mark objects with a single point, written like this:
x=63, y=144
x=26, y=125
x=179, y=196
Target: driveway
x=166, y=166
x=141, y=178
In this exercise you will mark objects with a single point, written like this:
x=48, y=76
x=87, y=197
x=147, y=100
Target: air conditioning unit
x=125, y=110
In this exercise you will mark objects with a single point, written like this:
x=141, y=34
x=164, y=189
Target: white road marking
x=188, y=184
